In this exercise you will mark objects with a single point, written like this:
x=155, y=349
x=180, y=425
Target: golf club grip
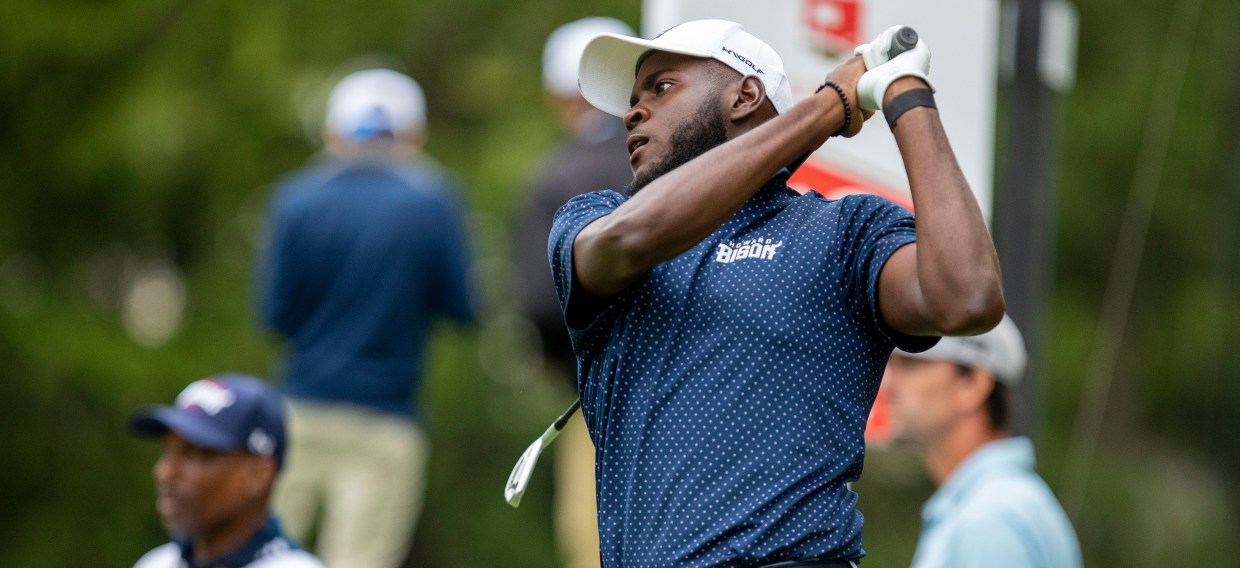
x=902, y=41
x=563, y=419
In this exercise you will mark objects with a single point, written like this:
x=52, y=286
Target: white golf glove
x=881, y=72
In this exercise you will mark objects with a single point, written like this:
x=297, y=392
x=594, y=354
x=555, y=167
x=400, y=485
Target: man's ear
x=976, y=388
x=749, y=94
x=262, y=475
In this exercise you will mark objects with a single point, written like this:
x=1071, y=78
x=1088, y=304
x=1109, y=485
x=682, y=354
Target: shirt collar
x=997, y=456
x=248, y=552
x=775, y=185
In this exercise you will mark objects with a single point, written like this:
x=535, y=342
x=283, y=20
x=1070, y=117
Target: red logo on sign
x=834, y=182
x=834, y=25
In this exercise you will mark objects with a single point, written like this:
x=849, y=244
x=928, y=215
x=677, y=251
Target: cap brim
x=950, y=353
x=197, y=430
x=609, y=67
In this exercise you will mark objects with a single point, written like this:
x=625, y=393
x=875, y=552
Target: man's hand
x=872, y=87
x=874, y=55
x=846, y=76
x=890, y=43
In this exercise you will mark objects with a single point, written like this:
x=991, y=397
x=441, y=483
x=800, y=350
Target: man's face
x=200, y=489
x=924, y=397
x=676, y=114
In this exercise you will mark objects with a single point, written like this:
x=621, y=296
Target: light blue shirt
x=995, y=511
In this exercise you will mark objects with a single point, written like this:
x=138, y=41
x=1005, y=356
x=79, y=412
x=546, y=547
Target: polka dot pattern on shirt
x=727, y=391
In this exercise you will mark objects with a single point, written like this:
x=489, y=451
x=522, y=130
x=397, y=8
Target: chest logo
x=761, y=249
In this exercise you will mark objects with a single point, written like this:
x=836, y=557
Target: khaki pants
x=366, y=470
x=576, y=510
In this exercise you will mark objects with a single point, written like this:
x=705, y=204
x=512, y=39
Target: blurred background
x=140, y=141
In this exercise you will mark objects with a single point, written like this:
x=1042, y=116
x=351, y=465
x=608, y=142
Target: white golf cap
x=1000, y=351
x=562, y=53
x=376, y=102
x=609, y=64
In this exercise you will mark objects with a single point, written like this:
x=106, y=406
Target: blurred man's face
x=199, y=490
x=924, y=398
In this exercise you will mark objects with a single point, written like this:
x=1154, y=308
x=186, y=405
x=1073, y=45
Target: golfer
x=731, y=333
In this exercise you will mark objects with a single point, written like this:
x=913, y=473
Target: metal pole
x=1024, y=208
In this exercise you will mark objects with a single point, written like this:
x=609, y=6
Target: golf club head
x=519, y=479
x=521, y=473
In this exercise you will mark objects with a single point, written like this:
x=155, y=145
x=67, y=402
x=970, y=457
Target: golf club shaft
x=563, y=419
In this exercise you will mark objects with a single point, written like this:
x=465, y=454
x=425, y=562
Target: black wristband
x=905, y=102
x=844, y=99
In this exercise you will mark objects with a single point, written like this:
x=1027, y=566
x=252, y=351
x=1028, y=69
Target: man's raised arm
x=948, y=282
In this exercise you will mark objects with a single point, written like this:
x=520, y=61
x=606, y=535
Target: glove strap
x=905, y=102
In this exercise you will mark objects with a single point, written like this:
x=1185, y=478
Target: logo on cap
x=742, y=59
x=207, y=395
x=260, y=442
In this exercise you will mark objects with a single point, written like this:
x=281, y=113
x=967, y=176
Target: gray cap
x=1000, y=351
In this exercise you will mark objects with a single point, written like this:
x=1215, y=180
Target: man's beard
x=691, y=139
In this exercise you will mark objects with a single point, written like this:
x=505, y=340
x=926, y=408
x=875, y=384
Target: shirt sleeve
x=878, y=228
x=580, y=309
x=289, y=559
x=277, y=280
x=453, y=288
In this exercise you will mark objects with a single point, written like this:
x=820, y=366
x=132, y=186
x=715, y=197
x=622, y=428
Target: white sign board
x=813, y=36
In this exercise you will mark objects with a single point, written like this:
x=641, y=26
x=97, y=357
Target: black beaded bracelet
x=843, y=99
x=906, y=101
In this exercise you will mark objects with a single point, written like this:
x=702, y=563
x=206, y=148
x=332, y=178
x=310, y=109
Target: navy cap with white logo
x=228, y=412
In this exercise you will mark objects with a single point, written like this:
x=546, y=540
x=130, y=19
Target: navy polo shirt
x=727, y=391
x=363, y=258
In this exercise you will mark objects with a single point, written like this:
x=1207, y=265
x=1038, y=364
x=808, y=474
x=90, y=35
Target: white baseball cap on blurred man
x=561, y=55
x=561, y=59
x=1000, y=351
x=376, y=106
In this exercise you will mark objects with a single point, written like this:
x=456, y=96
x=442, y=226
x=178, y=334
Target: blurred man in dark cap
x=224, y=443
x=991, y=509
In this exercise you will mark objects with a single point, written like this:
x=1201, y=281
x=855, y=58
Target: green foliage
x=1166, y=435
